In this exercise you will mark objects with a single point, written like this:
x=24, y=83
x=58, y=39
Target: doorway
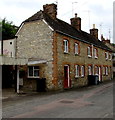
x=100, y=77
x=66, y=76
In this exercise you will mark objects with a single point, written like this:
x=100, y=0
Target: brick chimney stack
x=76, y=22
x=104, y=40
x=51, y=10
x=94, y=32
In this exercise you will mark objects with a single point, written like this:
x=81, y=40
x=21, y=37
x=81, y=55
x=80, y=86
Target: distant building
x=8, y=47
x=112, y=47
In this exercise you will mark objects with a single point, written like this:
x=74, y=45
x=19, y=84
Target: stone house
x=60, y=52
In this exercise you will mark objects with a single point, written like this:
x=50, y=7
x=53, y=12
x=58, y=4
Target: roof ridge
x=66, y=28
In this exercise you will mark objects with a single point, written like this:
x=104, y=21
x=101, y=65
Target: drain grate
x=66, y=101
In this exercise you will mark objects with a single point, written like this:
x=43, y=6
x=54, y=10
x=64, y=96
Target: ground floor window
x=89, y=70
x=96, y=70
x=106, y=68
x=77, y=69
x=104, y=71
x=33, y=71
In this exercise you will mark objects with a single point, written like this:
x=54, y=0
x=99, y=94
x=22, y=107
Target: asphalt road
x=88, y=102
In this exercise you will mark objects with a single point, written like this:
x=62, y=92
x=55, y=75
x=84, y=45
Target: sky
x=98, y=12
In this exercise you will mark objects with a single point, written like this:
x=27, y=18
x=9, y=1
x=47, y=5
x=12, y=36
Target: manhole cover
x=66, y=101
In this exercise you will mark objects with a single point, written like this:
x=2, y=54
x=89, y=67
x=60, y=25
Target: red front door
x=66, y=77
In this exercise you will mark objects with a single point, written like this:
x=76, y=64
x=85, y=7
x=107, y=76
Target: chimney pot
x=75, y=15
x=93, y=26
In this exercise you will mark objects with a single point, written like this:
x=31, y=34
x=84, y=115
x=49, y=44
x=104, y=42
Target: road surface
x=87, y=102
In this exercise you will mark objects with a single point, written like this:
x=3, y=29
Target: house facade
x=61, y=53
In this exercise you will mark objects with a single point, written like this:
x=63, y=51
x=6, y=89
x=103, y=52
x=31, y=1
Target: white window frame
x=106, y=70
x=106, y=55
x=89, y=70
x=77, y=71
x=96, y=70
x=33, y=70
x=66, y=46
x=82, y=71
x=89, y=51
x=95, y=53
x=76, y=48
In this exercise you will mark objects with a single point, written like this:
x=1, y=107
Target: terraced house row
x=61, y=53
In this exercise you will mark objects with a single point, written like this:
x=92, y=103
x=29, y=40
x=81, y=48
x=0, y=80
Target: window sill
x=33, y=77
x=89, y=56
x=96, y=57
x=82, y=76
x=76, y=77
x=76, y=54
x=66, y=53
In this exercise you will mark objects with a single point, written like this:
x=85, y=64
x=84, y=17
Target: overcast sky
x=98, y=12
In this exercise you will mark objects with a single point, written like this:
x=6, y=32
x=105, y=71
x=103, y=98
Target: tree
x=8, y=30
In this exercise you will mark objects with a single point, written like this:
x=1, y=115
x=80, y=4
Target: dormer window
x=65, y=46
x=89, y=51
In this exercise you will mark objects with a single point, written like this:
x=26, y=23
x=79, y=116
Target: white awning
x=36, y=62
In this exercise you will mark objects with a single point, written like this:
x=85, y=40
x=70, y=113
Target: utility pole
x=100, y=29
x=88, y=11
x=56, y=2
x=109, y=34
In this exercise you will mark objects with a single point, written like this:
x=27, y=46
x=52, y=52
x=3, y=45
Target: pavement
x=8, y=94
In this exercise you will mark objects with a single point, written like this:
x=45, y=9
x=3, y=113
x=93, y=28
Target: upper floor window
x=106, y=55
x=33, y=71
x=77, y=69
x=76, y=48
x=89, y=70
x=95, y=53
x=110, y=56
x=82, y=71
x=66, y=46
x=89, y=51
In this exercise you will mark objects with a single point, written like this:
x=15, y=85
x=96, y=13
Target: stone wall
x=35, y=41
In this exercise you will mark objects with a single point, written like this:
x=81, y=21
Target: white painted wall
x=8, y=48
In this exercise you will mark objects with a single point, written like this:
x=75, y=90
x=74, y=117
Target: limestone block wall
x=35, y=41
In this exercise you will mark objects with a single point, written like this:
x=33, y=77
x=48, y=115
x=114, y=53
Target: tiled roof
x=66, y=29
